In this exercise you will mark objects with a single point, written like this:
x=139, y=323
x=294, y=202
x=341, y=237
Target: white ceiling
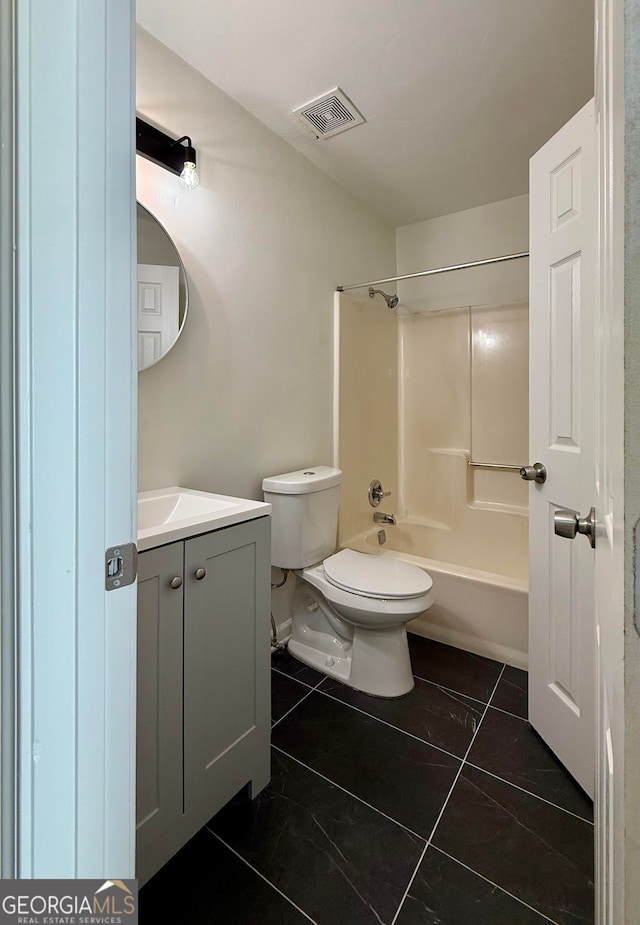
x=457, y=94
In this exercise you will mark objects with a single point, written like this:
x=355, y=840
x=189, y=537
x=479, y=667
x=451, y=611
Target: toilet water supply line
x=274, y=635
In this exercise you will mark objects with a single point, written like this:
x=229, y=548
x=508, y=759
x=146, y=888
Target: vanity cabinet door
x=226, y=656
x=159, y=730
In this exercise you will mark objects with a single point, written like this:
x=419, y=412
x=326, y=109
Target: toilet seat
x=362, y=610
x=376, y=577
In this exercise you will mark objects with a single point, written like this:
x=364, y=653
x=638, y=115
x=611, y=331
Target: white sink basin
x=160, y=509
x=169, y=514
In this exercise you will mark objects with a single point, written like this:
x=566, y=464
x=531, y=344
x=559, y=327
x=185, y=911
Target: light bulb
x=189, y=177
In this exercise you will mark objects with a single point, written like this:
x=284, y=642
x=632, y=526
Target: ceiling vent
x=329, y=114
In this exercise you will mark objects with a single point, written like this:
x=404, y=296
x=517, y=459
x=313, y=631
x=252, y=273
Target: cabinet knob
x=200, y=573
x=176, y=583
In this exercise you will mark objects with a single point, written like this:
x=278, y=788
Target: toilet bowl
x=350, y=609
x=349, y=630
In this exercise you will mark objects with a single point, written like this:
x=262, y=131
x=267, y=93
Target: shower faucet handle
x=376, y=493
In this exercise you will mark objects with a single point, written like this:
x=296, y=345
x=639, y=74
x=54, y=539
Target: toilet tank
x=304, y=516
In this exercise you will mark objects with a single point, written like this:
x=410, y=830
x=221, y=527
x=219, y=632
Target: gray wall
x=266, y=237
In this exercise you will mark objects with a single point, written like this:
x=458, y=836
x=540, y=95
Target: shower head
x=391, y=300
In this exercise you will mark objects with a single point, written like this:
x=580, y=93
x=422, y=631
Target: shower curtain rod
x=459, y=266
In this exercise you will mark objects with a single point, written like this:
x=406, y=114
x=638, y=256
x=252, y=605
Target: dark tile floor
x=441, y=808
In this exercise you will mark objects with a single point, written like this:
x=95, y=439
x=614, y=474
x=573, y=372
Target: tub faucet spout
x=380, y=518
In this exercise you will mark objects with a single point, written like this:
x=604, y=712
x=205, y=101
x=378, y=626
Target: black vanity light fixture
x=171, y=153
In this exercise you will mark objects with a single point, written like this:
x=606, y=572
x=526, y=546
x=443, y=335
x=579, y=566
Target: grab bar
x=476, y=465
x=535, y=473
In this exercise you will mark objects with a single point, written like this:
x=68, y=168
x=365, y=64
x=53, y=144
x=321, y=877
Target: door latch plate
x=120, y=566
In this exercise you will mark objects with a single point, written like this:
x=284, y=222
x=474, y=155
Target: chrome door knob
x=176, y=583
x=568, y=524
x=535, y=473
x=200, y=573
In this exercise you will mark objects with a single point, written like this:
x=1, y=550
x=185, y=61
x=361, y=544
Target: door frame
x=610, y=838
x=624, y=90
x=8, y=485
x=68, y=430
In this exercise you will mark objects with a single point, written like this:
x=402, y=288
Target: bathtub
x=481, y=611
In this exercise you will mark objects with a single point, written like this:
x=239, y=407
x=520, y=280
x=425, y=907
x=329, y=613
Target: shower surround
x=420, y=395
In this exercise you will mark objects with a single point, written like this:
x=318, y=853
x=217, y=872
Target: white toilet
x=350, y=612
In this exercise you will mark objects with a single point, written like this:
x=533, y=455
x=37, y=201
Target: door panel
x=226, y=649
x=562, y=433
x=159, y=738
x=564, y=346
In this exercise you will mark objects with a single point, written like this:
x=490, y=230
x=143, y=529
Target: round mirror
x=162, y=293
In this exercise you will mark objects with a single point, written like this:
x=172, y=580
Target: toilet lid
x=375, y=576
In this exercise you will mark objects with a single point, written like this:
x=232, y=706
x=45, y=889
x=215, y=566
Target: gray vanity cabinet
x=203, y=682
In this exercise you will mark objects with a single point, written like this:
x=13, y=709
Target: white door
x=158, y=310
x=563, y=233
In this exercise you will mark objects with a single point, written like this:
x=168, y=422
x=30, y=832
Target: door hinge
x=120, y=566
